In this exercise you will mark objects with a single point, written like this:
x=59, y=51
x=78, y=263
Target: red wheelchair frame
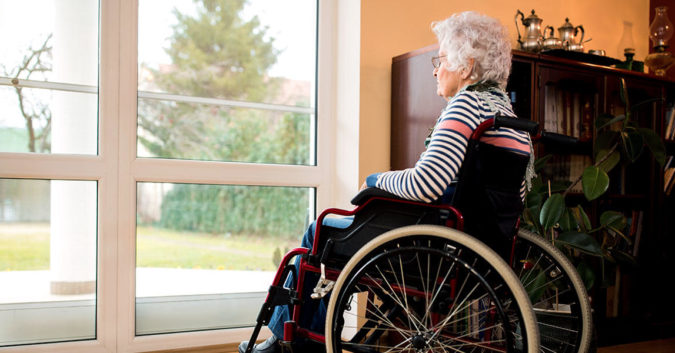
x=313, y=261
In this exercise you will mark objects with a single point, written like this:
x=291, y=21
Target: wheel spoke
x=424, y=297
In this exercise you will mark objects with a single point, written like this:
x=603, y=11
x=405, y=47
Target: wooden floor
x=659, y=346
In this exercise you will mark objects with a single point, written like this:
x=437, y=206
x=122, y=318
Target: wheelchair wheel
x=557, y=293
x=429, y=288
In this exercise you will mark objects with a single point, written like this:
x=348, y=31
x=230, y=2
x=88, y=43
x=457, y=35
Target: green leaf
x=625, y=258
x=560, y=186
x=568, y=222
x=613, y=219
x=594, y=182
x=535, y=288
x=529, y=218
x=655, y=144
x=624, y=94
x=539, y=163
x=534, y=199
x=582, y=218
x=605, y=140
x=538, y=185
x=602, y=120
x=611, y=161
x=632, y=143
x=646, y=101
x=581, y=241
x=612, y=121
x=586, y=274
x=551, y=211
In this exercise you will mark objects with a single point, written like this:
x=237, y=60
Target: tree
x=218, y=54
x=215, y=54
x=37, y=115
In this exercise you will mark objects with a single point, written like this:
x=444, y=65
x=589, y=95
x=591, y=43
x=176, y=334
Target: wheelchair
x=405, y=276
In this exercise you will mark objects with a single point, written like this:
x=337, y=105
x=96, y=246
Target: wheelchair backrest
x=488, y=193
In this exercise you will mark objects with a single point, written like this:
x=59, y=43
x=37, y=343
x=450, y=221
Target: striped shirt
x=439, y=164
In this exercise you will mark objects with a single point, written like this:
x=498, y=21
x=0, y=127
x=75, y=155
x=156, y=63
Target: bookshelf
x=566, y=96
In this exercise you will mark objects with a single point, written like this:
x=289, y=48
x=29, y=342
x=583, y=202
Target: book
x=549, y=108
x=668, y=180
x=567, y=115
x=671, y=182
x=560, y=112
x=576, y=116
x=638, y=232
x=586, y=132
x=613, y=293
x=670, y=116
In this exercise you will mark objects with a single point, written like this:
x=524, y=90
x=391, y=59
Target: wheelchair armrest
x=371, y=192
x=529, y=126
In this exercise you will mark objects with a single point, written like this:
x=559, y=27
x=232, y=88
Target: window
x=220, y=81
x=206, y=254
x=149, y=158
x=48, y=260
x=48, y=230
x=50, y=96
x=227, y=80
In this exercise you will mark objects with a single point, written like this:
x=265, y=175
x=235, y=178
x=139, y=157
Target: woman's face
x=448, y=83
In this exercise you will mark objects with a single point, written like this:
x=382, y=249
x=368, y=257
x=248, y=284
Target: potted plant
x=618, y=141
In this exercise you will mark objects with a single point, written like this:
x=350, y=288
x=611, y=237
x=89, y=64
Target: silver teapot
x=533, y=36
x=568, y=34
x=551, y=42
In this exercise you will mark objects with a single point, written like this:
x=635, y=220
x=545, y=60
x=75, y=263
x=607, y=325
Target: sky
x=292, y=33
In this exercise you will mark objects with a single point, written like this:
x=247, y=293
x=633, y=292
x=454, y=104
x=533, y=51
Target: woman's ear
x=466, y=72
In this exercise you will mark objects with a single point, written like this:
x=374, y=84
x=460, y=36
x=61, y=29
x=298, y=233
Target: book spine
x=586, y=122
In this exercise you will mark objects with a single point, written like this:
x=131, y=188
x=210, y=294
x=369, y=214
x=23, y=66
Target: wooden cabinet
x=567, y=96
x=415, y=105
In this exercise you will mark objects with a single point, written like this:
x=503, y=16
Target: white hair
x=470, y=35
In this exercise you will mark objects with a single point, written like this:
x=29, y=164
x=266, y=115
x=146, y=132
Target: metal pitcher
x=533, y=36
x=568, y=34
x=551, y=42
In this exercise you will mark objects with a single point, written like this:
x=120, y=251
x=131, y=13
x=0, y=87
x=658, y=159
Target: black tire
x=557, y=293
x=429, y=288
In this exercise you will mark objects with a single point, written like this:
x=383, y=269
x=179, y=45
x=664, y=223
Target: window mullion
x=126, y=208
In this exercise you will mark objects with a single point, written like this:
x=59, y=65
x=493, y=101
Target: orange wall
x=393, y=27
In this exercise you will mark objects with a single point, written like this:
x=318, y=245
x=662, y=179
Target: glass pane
x=231, y=49
x=57, y=44
x=217, y=133
x=206, y=254
x=48, y=121
x=50, y=40
x=47, y=261
x=210, y=71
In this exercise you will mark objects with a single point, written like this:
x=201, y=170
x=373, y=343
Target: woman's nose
x=435, y=71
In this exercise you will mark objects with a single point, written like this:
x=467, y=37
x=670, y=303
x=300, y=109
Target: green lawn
x=26, y=247
x=158, y=247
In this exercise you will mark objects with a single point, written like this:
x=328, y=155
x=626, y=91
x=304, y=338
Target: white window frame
x=117, y=170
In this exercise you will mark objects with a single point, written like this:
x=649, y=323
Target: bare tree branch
x=33, y=62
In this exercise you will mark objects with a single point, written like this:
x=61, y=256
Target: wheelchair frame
x=330, y=241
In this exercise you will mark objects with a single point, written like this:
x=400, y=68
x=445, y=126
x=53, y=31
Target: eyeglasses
x=436, y=61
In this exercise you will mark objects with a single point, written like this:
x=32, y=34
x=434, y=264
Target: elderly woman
x=471, y=70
